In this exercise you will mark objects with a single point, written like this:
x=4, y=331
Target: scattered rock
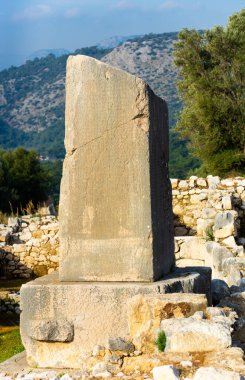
x=206, y=373
x=219, y=290
x=99, y=368
x=191, y=335
x=167, y=372
x=224, y=223
x=119, y=344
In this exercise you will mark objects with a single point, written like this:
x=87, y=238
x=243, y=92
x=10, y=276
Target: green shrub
x=161, y=341
x=209, y=233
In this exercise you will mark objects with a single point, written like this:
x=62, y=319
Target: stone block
x=58, y=330
x=205, y=373
x=203, y=225
x=213, y=182
x=215, y=255
x=97, y=311
x=230, y=242
x=191, y=335
x=182, y=263
x=116, y=139
x=224, y=224
x=145, y=314
x=227, y=202
x=192, y=248
x=165, y=372
x=174, y=183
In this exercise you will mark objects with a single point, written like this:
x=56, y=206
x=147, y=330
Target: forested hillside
x=32, y=96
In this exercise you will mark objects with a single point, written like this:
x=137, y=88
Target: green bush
x=161, y=341
x=22, y=179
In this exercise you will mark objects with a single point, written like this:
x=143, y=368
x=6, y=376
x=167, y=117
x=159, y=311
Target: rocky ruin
x=106, y=235
x=120, y=307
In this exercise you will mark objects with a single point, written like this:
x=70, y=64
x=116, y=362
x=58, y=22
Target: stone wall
x=29, y=247
x=209, y=218
x=199, y=203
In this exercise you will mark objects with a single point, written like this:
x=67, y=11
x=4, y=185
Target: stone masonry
x=29, y=246
x=32, y=249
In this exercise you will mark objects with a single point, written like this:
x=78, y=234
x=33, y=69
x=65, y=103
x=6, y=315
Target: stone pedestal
x=115, y=218
x=115, y=208
x=62, y=322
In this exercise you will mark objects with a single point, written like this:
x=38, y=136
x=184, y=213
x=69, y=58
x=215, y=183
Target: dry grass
x=3, y=218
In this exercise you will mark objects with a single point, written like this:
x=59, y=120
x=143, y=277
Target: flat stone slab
x=62, y=322
x=16, y=363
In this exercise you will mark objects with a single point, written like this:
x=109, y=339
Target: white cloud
x=72, y=12
x=122, y=4
x=170, y=4
x=34, y=13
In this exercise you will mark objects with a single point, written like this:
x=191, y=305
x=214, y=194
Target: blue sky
x=30, y=25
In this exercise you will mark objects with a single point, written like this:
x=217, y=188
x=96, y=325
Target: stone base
x=62, y=322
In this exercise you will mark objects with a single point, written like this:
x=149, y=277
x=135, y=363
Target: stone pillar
x=115, y=225
x=115, y=209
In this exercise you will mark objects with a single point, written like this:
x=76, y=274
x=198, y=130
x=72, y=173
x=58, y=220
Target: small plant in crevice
x=161, y=341
x=209, y=234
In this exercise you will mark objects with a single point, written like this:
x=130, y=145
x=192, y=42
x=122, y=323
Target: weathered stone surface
x=227, y=203
x=191, y=335
x=234, y=269
x=119, y=344
x=182, y=263
x=180, y=231
x=224, y=224
x=230, y=359
x=59, y=330
x=116, y=138
x=213, y=181
x=220, y=290
x=165, y=372
x=203, y=225
x=215, y=256
x=98, y=312
x=230, y=242
x=146, y=312
x=192, y=248
x=212, y=312
x=205, y=373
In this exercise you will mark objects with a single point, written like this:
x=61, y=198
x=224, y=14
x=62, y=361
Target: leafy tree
x=22, y=179
x=212, y=88
x=181, y=161
x=54, y=167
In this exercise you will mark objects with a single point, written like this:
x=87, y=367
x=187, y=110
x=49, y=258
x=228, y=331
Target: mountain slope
x=151, y=58
x=32, y=96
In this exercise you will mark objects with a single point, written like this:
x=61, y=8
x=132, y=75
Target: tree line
x=23, y=178
x=212, y=88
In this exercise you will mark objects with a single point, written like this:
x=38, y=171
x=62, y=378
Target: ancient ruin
x=118, y=287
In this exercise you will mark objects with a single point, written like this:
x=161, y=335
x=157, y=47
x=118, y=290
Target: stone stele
x=116, y=230
x=115, y=202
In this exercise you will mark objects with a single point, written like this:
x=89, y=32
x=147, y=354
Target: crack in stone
x=73, y=150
